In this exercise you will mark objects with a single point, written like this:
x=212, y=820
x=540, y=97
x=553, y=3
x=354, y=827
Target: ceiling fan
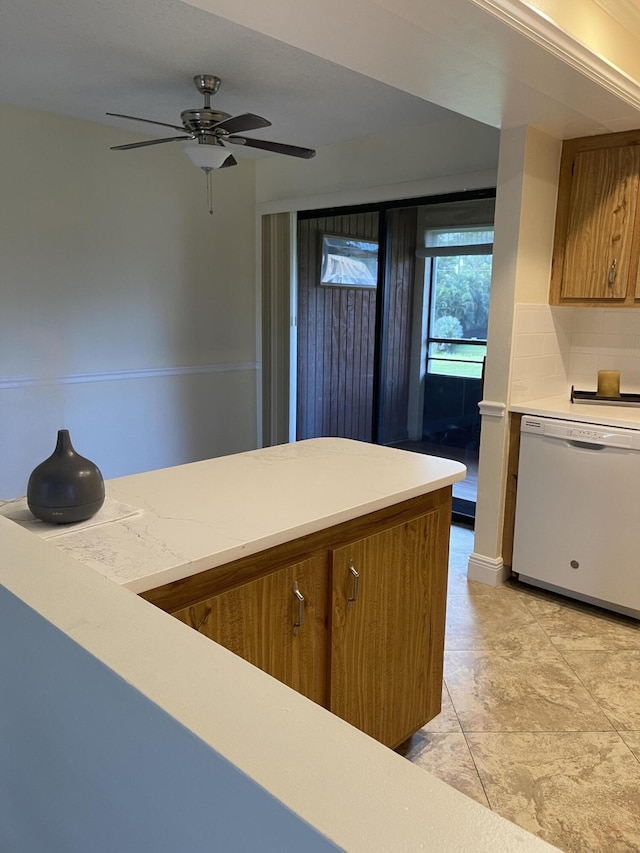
x=210, y=127
x=206, y=133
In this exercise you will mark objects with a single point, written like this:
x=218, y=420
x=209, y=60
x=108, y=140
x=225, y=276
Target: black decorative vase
x=66, y=487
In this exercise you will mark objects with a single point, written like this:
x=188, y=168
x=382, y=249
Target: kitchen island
x=129, y=730
x=323, y=562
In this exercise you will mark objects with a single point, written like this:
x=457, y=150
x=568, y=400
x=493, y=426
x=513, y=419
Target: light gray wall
x=89, y=764
x=127, y=311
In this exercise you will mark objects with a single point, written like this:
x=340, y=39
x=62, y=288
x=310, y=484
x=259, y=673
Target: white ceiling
x=81, y=58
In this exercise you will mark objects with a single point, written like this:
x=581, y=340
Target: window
x=458, y=275
x=349, y=262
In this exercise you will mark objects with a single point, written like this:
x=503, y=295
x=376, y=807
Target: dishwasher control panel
x=588, y=434
x=580, y=432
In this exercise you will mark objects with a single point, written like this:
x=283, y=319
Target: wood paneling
x=337, y=334
x=336, y=338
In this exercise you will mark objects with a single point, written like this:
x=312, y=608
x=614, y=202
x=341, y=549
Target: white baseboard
x=489, y=570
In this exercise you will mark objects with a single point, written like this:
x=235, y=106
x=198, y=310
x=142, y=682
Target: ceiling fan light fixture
x=206, y=156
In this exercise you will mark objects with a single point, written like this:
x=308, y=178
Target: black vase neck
x=63, y=445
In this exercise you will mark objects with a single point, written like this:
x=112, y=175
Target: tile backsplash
x=556, y=347
x=541, y=351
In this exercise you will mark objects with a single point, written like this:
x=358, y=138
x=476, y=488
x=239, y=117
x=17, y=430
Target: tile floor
x=540, y=711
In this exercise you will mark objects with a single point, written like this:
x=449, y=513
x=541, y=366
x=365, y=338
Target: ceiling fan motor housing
x=202, y=119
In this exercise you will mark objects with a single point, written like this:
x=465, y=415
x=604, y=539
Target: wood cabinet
x=370, y=646
x=511, y=488
x=277, y=622
x=386, y=631
x=597, y=233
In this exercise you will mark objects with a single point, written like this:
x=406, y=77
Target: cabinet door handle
x=612, y=272
x=356, y=581
x=300, y=599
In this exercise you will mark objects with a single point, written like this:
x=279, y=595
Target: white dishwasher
x=577, y=528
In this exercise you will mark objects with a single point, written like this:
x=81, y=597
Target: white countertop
x=205, y=514
x=592, y=413
x=243, y=724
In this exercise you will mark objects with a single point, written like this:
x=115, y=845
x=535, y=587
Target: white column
x=523, y=245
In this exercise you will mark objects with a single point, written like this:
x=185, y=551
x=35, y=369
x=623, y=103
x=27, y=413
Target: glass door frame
x=383, y=209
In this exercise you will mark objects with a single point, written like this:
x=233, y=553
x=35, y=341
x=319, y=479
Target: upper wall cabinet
x=597, y=236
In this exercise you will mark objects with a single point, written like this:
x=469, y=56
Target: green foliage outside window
x=460, y=285
x=447, y=327
x=462, y=291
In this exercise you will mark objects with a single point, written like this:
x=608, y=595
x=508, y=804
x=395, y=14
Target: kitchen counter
x=561, y=407
x=205, y=514
x=160, y=756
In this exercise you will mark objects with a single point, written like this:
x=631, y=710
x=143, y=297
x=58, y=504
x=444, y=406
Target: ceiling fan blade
x=242, y=123
x=230, y=161
x=149, y=142
x=278, y=147
x=147, y=121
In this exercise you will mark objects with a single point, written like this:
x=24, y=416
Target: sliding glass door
x=392, y=307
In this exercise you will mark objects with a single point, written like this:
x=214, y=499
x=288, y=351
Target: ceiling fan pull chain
x=209, y=189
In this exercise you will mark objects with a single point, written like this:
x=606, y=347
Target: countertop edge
x=282, y=536
x=561, y=407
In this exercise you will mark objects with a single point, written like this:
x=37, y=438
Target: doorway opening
x=392, y=306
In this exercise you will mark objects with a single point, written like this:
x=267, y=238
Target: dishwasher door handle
x=586, y=445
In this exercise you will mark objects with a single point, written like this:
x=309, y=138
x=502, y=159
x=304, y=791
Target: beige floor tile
x=570, y=626
x=613, y=679
x=447, y=720
x=459, y=584
x=472, y=622
x=632, y=740
x=447, y=756
x=496, y=691
x=460, y=546
x=533, y=716
x=579, y=791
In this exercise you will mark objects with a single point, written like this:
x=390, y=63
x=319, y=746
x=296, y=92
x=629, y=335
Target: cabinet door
x=387, y=644
x=602, y=209
x=256, y=621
